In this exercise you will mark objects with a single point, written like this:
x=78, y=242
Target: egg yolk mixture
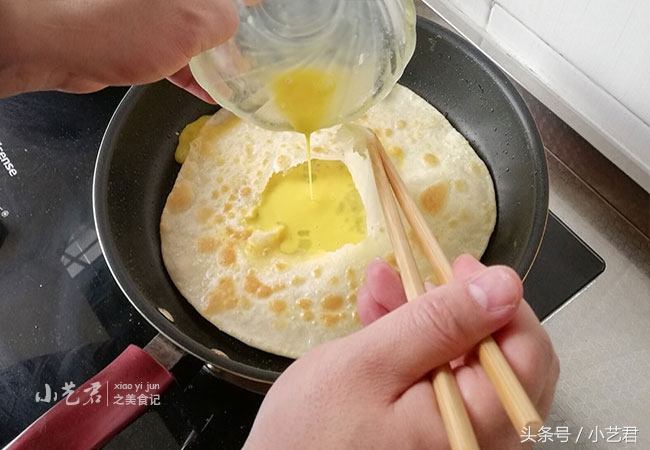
x=305, y=97
x=334, y=217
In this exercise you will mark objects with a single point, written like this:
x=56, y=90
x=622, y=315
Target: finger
x=367, y=308
x=534, y=365
x=440, y=325
x=184, y=79
x=466, y=265
x=528, y=348
x=381, y=292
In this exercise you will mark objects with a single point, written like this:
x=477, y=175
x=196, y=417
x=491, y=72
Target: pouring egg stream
x=305, y=96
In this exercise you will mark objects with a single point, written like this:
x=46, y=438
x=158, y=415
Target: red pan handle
x=99, y=409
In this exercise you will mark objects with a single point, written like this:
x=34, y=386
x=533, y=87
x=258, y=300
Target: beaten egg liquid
x=336, y=215
x=305, y=97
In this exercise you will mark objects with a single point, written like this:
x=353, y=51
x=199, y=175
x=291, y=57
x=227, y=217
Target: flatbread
x=287, y=304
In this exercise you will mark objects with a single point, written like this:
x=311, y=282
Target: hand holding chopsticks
x=518, y=406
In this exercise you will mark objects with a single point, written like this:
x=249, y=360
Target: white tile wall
x=478, y=11
x=608, y=40
x=591, y=57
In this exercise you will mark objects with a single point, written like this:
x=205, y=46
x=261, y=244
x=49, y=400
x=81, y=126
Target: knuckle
x=436, y=320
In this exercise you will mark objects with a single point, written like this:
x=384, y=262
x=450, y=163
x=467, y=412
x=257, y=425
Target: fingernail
x=494, y=289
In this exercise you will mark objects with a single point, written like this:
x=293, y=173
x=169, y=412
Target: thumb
x=440, y=325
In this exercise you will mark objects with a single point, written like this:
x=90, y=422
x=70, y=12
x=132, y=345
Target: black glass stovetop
x=63, y=318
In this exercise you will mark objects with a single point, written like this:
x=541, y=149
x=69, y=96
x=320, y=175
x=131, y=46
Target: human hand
x=372, y=389
x=85, y=46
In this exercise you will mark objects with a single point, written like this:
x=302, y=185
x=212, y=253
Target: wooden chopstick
x=518, y=406
x=450, y=402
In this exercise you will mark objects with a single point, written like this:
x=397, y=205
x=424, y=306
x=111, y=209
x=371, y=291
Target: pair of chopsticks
x=518, y=406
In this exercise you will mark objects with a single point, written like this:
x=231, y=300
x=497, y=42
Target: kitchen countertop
x=601, y=335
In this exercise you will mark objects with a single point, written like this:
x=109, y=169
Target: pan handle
x=100, y=408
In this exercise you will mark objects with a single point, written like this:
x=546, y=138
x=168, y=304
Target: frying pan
x=136, y=170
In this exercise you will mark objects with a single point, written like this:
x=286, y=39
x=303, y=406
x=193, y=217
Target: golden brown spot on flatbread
x=254, y=286
x=434, y=197
x=207, y=245
x=252, y=283
x=352, y=297
x=228, y=257
x=401, y=124
x=180, y=198
x=304, y=303
x=221, y=298
x=390, y=259
x=235, y=160
x=332, y=302
x=388, y=132
x=204, y=213
x=224, y=188
x=460, y=185
x=240, y=235
x=476, y=168
x=431, y=159
x=264, y=291
x=245, y=191
x=232, y=197
x=330, y=319
x=334, y=280
x=218, y=219
x=215, y=194
x=397, y=153
x=277, y=306
x=317, y=272
x=351, y=278
x=307, y=315
x=282, y=161
x=281, y=266
x=227, y=207
x=297, y=280
x=320, y=150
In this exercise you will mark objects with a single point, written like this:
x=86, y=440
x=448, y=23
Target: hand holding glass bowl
x=305, y=65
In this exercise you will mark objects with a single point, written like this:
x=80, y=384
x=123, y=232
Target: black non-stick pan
x=135, y=172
